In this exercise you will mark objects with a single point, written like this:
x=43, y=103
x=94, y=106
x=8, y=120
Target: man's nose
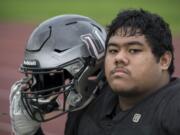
x=121, y=58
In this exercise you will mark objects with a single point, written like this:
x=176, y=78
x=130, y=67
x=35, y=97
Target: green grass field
x=101, y=10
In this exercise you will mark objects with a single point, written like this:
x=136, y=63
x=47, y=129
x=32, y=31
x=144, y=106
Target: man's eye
x=112, y=51
x=133, y=51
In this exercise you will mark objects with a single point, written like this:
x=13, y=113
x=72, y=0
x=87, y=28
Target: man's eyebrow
x=130, y=43
x=134, y=43
x=112, y=44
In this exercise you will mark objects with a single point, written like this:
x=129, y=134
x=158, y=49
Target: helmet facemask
x=49, y=95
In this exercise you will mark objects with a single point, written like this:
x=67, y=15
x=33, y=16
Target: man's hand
x=21, y=123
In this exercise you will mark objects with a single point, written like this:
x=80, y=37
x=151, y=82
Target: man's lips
x=119, y=71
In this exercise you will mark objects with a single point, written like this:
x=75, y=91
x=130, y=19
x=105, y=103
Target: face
x=131, y=69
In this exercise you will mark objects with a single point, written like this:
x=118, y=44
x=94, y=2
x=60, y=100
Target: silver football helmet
x=61, y=57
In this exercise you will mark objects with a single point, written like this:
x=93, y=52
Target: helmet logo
x=95, y=44
x=31, y=63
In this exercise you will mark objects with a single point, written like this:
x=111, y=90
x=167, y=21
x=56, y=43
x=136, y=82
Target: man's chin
x=126, y=92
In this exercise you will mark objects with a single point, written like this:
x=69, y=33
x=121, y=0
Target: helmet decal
x=95, y=44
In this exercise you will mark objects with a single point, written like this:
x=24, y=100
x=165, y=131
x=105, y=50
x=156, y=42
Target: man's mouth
x=119, y=72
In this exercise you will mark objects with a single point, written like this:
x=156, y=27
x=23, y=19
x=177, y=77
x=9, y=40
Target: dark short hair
x=155, y=29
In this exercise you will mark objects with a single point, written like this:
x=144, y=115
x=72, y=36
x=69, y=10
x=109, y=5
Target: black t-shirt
x=157, y=114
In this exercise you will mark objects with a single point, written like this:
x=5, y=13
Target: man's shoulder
x=171, y=96
x=163, y=99
x=173, y=88
x=171, y=111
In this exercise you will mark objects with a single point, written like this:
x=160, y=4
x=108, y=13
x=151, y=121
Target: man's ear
x=165, y=60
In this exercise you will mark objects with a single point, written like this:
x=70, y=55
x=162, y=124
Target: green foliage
x=102, y=11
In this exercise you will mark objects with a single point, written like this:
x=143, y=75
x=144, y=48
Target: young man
x=144, y=98
x=62, y=68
